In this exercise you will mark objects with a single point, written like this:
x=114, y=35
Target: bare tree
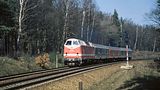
x=93, y=23
x=89, y=18
x=67, y=4
x=23, y=4
x=23, y=9
x=135, y=44
x=154, y=16
x=82, y=26
x=154, y=44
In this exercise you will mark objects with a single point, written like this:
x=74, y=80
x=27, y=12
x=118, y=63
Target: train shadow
x=142, y=83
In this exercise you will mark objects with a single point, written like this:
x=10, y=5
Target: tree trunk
x=154, y=44
x=20, y=21
x=135, y=44
x=89, y=16
x=82, y=27
x=65, y=23
x=141, y=39
x=92, y=27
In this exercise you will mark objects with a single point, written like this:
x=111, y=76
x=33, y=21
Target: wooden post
x=57, y=59
x=80, y=85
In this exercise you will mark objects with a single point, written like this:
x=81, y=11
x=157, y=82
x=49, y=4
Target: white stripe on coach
x=78, y=54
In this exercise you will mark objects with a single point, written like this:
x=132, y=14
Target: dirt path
x=106, y=78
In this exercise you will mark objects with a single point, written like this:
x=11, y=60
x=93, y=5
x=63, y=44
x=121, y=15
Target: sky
x=130, y=9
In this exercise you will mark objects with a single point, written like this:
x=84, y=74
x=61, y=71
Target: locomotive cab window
x=75, y=43
x=69, y=43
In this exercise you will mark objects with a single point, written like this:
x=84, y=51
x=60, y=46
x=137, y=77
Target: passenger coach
x=78, y=52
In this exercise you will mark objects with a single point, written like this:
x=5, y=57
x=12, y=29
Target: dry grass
x=88, y=79
x=108, y=78
x=9, y=66
x=144, y=76
x=145, y=55
x=26, y=63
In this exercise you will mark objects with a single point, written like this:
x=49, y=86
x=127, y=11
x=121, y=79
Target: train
x=78, y=52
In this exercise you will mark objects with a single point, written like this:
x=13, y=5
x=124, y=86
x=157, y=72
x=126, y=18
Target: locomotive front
x=72, y=52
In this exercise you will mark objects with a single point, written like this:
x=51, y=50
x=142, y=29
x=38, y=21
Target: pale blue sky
x=130, y=9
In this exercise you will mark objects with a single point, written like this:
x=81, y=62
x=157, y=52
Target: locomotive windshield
x=69, y=43
x=72, y=43
x=75, y=43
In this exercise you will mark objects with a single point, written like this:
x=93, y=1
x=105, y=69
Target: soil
x=144, y=75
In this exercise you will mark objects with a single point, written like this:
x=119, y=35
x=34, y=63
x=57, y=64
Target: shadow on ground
x=145, y=83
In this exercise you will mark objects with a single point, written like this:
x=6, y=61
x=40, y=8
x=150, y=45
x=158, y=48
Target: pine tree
x=6, y=15
x=115, y=18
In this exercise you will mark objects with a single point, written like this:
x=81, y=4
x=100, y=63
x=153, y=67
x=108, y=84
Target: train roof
x=110, y=47
x=98, y=45
x=81, y=42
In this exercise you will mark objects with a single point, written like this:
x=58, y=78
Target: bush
x=42, y=60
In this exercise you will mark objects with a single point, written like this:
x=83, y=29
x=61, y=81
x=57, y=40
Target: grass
x=145, y=55
x=9, y=66
x=142, y=83
x=53, y=57
x=144, y=76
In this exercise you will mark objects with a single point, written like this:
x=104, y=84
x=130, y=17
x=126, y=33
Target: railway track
x=30, y=73
x=26, y=80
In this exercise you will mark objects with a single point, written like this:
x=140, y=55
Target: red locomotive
x=78, y=52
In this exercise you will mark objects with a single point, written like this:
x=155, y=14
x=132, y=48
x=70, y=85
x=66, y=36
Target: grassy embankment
x=145, y=55
x=9, y=66
x=144, y=76
x=27, y=64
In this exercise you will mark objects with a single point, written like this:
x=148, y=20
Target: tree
x=154, y=16
x=136, y=39
x=23, y=9
x=83, y=20
x=34, y=25
x=115, y=18
x=43, y=26
x=7, y=28
x=7, y=15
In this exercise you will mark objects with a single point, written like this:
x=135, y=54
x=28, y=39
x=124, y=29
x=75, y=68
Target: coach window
x=69, y=43
x=75, y=43
x=107, y=52
x=121, y=53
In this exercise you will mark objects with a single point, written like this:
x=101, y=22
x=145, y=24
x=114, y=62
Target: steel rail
x=20, y=82
x=30, y=73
